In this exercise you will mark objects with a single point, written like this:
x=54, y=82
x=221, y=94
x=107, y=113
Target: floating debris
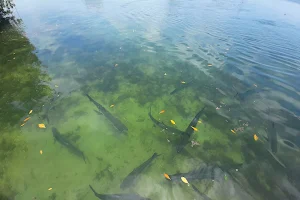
x=194, y=143
x=30, y=112
x=194, y=128
x=172, y=121
x=217, y=108
x=56, y=86
x=233, y=131
x=162, y=111
x=41, y=152
x=49, y=189
x=184, y=180
x=112, y=105
x=167, y=176
x=165, y=74
x=183, y=82
x=42, y=126
x=25, y=120
x=116, y=65
x=255, y=137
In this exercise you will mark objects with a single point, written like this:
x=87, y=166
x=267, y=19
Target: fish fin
x=93, y=190
x=156, y=154
x=98, y=112
x=84, y=158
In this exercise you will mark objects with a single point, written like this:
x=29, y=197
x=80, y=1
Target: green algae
x=136, y=84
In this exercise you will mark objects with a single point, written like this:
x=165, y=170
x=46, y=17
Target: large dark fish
x=115, y=121
x=131, y=178
x=189, y=131
x=204, y=172
x=63, y=141
x=243, y=95
x=200, y=194
x=272, y=136
x=181, y=87
x=163, y=126
x=273, y=142
x=118, y=196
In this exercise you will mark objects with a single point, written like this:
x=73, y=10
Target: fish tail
x=84, y=159
x=93, y=190
x=156, y=154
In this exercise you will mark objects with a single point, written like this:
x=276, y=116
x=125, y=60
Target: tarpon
x=115, y=121
x=182, y=86
x=273, y=144
x=204, y=172
x=272, y=136
x=131, y=178
x=189, y=131
x=163, y=126
x=243, y=95
x=202, y=195
x=118, y=196
x=63, y=141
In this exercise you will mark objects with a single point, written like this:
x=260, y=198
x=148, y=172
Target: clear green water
x=133, y=54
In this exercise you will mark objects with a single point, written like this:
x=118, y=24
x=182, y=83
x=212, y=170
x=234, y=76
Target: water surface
x=238, y=58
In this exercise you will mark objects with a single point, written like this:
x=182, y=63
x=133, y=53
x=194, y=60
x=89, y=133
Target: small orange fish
x=25, y=120
x=194, y=128
x=162, y=111
x=30, y=112
x=172, y=121
x=42, y=126
x=41, y=152
x=232, y=131
x=112, y=105
x=255, y=137
x=167, y=176
x=22, y=124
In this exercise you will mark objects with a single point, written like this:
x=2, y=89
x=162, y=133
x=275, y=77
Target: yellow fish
x=167, y=176
x=184, y=180
x=199, y=121
x=232, y=131
x=41, y=152
x=183, y=82
x=25, y=120
x=172, y=121
x=112, y=105
x=194, y=128
x=162, y=111
x=30, y=112
x=255, y=137
x=42, y=126
x=22, y=124
x=49, y=189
